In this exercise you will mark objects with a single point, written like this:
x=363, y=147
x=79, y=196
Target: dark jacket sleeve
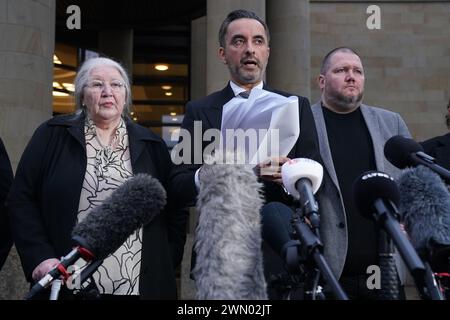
x=431, y=145
x=27, y=224
x=182, y=177
x=176, y=217
x=439, y=148
x=6, y=178
x=308, y=144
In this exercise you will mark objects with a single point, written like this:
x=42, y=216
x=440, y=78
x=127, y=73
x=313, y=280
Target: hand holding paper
x=264, y=126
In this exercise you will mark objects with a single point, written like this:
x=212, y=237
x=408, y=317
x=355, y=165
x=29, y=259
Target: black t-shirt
x=352, y=152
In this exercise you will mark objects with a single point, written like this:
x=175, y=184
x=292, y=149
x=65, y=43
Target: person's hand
x=270, y=170
x=43, y=268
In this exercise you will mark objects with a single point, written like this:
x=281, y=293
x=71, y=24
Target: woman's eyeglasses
x=97, y=85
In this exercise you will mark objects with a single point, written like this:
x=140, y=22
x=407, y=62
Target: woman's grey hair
x=82, y=79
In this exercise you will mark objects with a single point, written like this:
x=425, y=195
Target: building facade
x=404, y=46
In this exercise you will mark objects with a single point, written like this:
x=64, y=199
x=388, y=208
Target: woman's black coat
x=45, y=195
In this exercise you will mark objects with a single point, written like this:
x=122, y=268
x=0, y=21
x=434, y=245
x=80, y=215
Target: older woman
x=71, y=164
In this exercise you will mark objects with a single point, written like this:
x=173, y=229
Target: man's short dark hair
x=326, y=61
x=239, y=14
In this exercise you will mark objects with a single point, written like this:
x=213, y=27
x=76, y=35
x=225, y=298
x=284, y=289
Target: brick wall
x=407, y=61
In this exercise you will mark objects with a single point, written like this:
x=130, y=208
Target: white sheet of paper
x=268, y=121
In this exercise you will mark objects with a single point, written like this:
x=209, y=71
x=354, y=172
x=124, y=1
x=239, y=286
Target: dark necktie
x=244, y=94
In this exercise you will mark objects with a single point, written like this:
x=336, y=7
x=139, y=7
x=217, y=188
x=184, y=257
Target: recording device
x=302, y=178
x=293, y=240
x=229, y=263
x=404, y=152
x=133, y=204
x=277, y=230
x=376, y=196
x=425, y=206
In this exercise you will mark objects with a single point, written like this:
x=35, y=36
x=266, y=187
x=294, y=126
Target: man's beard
x=345, y=103
x=245, y=77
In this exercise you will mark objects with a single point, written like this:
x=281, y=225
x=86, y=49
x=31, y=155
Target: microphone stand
x=438, y=260
x=84, y=275
x=433, y=288
x=422, y=275
x=61, y=270
x=311, y=246
x=389, y=280
x=56, y=287
x=90, y=292
x=89, y=270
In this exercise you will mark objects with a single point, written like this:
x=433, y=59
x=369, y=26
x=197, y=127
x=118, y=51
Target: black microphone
x=278, y=234
x=404, y=152
x=376, y=195
x=425, y=206
x=133, y=204
x=229, y=263
x=276, y=227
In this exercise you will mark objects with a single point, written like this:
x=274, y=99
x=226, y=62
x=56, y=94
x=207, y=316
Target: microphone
x=404, y=152
x=133, y=204
x=369, y=188
x=229, y=262
x=276, y=227
x=302, y=178
x=425, y=205
x=375, y=186
x=376, y=195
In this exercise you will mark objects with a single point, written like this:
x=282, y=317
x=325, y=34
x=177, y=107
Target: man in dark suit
x=6, y=177
x=439, y=147
x=244, y=48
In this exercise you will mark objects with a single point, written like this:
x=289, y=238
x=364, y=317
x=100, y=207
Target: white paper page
x=268, y=122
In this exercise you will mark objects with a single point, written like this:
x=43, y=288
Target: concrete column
x=198, y=90
x=118, y=45
x=289, y=62
x=198, y=58
x=216, y=11
x=27, y=33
